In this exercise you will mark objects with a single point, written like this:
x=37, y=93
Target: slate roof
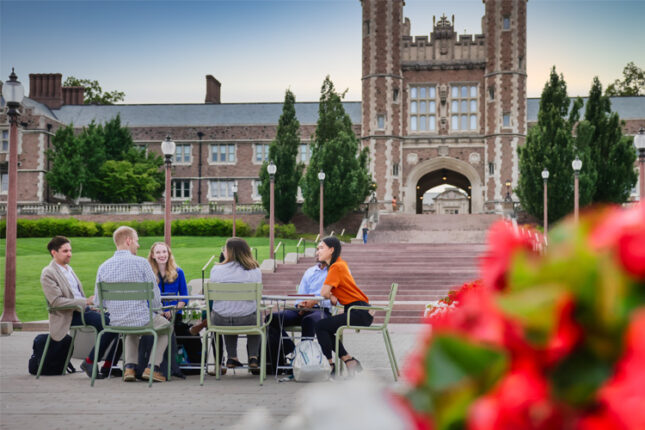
x=175, y=115
x=627, y=107
x=195, y=114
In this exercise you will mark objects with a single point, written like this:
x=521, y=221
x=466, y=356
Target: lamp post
x=271, y=168
x=577, y=165
x=13, y=93
x=508, y=190
x=639, y=142
x=234, y=204
x=168, y=149
x=545, y=178
x=321, y=178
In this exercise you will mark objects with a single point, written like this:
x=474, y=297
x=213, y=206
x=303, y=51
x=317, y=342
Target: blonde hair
x=122, y=233
x=171, y=266
x=238, y=250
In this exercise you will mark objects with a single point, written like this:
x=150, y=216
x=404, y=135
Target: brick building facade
x=436, y=109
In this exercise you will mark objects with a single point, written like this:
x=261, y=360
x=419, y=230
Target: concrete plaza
x=62, y=402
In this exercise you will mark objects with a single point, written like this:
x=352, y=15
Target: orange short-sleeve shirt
x=343, y=285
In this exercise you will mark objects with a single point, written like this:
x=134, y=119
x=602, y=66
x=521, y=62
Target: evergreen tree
x=612, y=154
x=336, y=152
x=68, y=170
x=550, y=145
x=283, y=151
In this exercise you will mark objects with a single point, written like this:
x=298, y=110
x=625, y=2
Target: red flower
x=519, y=401
x=624, y=232
x=567, y=333
x=504, y=240
x=624, y=394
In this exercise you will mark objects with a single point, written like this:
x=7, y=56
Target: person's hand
x=181, y=305
x=307, y=304
x=167, y=315
x=333, y=300
x=89, y=301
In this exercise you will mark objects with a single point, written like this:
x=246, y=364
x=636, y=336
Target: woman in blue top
x=171, y=279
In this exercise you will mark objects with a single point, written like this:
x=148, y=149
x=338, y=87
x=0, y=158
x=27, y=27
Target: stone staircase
x=424, y=271
x=403, y=228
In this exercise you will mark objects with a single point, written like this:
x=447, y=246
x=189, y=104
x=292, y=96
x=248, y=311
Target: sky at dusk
x=160, y=51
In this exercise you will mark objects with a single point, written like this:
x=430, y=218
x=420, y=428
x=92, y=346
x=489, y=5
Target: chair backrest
x=233, y=292
x=390, y=305
x=125, y=291
x=194, y=287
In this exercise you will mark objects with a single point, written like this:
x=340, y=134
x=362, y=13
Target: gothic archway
x=459, y=170
x=441, y=177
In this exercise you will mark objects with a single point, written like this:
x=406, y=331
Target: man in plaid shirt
x=125, y=266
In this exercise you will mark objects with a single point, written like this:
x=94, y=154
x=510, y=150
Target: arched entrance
x=441, y=177
x=458, y=173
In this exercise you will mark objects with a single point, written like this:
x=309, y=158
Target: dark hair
x=56, y=243
x=333, y=242
x=238, y=250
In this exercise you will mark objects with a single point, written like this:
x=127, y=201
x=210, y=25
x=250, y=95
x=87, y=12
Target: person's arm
x=54, y=293
x=183, y=288
x=325, y=291
x=303, y=289
x=149, y=276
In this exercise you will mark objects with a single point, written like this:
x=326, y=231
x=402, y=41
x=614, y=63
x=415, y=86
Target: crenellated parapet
x=443, y=49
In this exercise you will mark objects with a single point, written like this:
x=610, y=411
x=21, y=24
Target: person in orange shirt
x=339, y=287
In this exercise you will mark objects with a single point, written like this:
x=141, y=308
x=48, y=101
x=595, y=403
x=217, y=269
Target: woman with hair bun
x=340, y=287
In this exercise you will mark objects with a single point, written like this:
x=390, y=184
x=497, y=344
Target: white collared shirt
x=71, y=279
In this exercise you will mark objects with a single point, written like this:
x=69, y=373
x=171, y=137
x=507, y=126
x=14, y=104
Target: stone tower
x=504, y=26
x=382, y=93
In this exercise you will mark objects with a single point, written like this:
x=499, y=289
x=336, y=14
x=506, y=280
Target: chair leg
x=389, y=340
x=169, y=349
x=218, y=360
x=337, y=360
x=96, y=357
x=69, y=351
x=152, y=358
x=390, y=354
x=42, y=359
x=204, y=349
x=263, y=357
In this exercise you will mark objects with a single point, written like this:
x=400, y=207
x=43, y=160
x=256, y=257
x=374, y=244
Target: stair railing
x=275, y=252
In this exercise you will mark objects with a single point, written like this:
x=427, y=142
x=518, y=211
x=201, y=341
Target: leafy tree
x=68, y=170
x=633, y=83
x=93, y=94
x=336, y=152
x=550, y=145
x=283, y=151
x=98, y=161
x=612, y=154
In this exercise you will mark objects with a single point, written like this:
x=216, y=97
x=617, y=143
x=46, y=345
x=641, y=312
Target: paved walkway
x=63, y=402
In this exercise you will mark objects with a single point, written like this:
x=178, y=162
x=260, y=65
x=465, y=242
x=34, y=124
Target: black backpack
x=56, y=355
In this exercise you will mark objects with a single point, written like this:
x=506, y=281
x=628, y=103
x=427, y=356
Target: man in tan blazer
x=63, y=288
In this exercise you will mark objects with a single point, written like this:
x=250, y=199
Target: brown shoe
x=129, y=374
x=156, y=376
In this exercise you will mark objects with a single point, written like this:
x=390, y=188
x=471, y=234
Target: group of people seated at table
x=329, y=278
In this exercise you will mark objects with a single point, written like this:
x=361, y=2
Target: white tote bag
x=309, y=363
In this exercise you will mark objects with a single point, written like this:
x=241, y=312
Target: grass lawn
x=191, y=254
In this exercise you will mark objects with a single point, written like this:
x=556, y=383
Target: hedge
x=287, y=231
x=48, y=227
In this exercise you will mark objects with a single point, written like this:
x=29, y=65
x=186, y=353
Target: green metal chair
x=73, y=329
x=374, y=327
x=131, y=291
x=234, y=292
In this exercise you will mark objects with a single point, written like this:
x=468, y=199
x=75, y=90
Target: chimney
x=73, y=95
x=213, y=90
x=46, y=88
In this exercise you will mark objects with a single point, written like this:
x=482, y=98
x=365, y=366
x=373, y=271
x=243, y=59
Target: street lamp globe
x=235, y=187
x=272, y=168
x=168, y=148
x=321, y=176
x=576, y=164
x=639, y=140
x=545, y=174
x=13, y=91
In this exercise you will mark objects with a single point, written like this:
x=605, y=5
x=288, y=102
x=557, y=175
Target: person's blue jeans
x=306, y=320
x=93, y=318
